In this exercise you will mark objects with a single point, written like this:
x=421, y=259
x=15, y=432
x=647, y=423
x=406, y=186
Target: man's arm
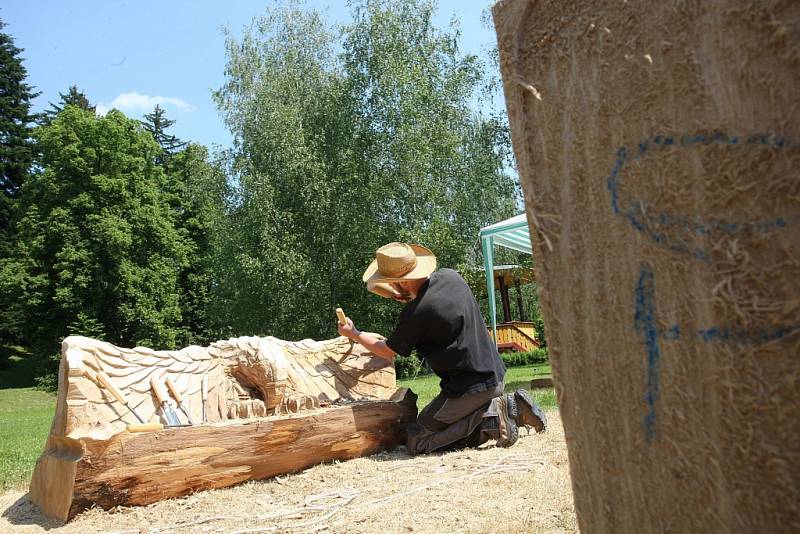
x=371, y=343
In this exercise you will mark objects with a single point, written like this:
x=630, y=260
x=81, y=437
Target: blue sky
x=136, y=53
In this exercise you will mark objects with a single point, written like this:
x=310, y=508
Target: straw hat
x=396, y=262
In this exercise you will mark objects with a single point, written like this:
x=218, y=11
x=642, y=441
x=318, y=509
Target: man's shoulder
x=448, y=281
x=447, y=274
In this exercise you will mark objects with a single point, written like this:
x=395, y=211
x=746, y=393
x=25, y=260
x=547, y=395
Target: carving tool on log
x=204, y=395
x=178, y=398
x=117, y=394
x=146, y=427
x=341, y=316
x=166, y=408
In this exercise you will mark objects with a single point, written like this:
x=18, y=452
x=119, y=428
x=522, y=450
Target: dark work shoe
x=506, y=418
x=528, y=413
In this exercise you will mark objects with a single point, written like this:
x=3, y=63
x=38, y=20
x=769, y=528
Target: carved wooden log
x=263, y=407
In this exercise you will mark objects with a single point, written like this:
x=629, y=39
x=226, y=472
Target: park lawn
x=427, y=387
x=25, y=418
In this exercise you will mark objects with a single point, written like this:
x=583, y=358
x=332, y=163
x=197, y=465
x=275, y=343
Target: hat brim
x=426, y=264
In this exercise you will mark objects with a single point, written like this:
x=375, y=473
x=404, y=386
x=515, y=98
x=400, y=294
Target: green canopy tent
x=512, y=233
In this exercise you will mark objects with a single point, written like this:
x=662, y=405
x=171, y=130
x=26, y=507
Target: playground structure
x=519, y=335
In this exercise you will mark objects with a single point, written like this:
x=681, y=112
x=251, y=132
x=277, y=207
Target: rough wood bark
x=274, y=407
x=658, y=146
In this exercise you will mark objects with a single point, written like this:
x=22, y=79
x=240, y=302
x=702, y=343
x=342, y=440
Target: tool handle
x=158, y=389
x=145, y=427
x=115, y=391
x=172, y=389
x=204, y=388
x=342, y=317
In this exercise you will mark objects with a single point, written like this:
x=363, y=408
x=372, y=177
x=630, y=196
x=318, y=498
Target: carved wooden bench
x=261, y=407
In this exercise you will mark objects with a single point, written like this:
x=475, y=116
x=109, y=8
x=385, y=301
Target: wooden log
x=142, y=468
x=261, y=397
x=544, y=382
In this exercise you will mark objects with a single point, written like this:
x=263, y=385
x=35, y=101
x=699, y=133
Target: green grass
x=427, y=387
x=17, y=367
x=25, y=418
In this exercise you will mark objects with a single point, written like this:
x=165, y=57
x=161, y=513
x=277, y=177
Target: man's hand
x=349, y=330
x=369, y=342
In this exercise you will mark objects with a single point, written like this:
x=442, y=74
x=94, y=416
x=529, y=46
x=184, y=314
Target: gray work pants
x=449, y=423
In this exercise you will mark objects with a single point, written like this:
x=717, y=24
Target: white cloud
x=133, y=102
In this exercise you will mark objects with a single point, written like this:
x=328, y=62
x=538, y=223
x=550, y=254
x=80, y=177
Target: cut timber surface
x=276, y=407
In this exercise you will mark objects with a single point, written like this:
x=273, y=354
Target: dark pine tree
x=157, y=124
x=73, y=97
x=16, y=122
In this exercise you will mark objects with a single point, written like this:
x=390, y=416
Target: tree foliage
x=97, y=249
x=73, y=97
x=16, y=121
x=344, y=139
x=197, y=190
x=338, y=153
x=282, y=101
x=157, y=123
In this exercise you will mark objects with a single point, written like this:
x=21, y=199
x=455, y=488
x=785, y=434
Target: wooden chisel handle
x=204, y=395
x=341, y=316
x=173, y=390
x=158, y=389
x=103, y=379
x=145, y=427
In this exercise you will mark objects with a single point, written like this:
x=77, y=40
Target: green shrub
x=516, y=359
x=409, y=366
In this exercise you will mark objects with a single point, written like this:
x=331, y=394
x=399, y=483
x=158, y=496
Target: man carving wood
x=442, y=321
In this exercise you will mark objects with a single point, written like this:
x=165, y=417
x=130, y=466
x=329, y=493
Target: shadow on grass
x=514, y=385
x=18, y=368
x=544, y=397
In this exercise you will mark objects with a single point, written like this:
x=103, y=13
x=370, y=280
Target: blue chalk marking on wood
x=634, y=210
x=645, y=324
x=613, y=181
x=741, y=336
x=644, y=321
x=673, y=333
x=728, y=334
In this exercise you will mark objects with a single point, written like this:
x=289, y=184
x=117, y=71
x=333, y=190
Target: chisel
x=177, y=396
x=117, y=394
x=341, y=316
x=166, y=409
x=204, y=395
x=343, y=321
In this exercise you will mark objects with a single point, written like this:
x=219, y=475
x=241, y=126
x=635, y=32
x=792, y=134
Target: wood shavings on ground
x=525, y=488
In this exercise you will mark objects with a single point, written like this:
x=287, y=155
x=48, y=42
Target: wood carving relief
x=332, y=399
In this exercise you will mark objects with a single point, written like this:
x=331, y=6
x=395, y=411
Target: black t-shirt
x=446, y=327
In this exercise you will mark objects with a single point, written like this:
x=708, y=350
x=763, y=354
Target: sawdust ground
x=525, y=488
